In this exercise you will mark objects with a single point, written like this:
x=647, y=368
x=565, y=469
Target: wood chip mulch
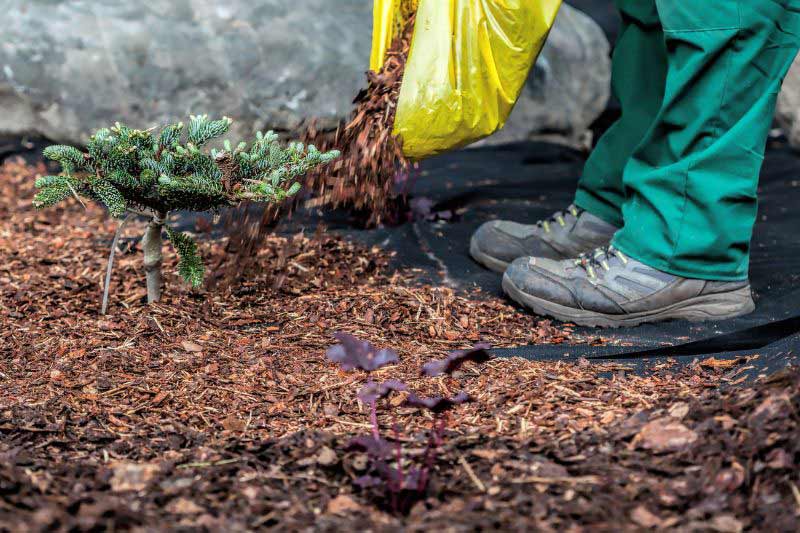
x=372, y=166
x=217, y=410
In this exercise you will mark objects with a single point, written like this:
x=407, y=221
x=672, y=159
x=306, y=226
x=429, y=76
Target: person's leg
x=691, y=185
x=639, y=68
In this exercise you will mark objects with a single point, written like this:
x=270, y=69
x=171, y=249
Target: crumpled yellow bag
x=468, y=63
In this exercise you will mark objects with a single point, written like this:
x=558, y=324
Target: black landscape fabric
x=529, y=181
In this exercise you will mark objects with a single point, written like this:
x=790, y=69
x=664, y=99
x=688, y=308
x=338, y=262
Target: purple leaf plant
x=373, y=391
x=454, y=360
x=437, y=404
x=404, y=486
x=353, y=353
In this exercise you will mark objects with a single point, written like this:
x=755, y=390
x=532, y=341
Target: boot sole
x=492, y=263
x=700, y=308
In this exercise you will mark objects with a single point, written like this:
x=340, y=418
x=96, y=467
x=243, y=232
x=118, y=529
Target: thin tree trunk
x=151, y=245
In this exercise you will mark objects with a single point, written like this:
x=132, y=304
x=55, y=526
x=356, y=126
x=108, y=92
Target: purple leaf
x=478, y=354
x=437, y=404
x=375, y=391
x=353, y=353
x=377, y=448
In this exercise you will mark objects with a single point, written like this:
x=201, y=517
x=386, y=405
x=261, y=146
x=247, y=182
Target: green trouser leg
x=690, y=187
x=639, y=69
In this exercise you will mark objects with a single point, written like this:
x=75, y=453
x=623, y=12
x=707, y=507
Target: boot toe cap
x=537, y=277
x=489, y=239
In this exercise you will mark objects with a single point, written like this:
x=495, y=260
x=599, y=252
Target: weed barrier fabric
x=455, y=193
x=529, y=181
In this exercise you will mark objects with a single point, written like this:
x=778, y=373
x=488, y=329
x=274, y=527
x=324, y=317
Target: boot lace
x=599, y=259
x=558, y=217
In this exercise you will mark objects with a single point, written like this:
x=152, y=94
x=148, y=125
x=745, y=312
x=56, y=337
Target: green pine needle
x=123, y=179
x=170, y=135
x=190, y=264
x=110, y=196
x=195, y=184
x=54, y=189
x=202, y=130
x=66, y=155
x=51, y=195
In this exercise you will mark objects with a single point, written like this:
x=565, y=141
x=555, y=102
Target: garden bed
x=217, y=408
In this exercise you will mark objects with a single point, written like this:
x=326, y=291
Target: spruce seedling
x=153, y=174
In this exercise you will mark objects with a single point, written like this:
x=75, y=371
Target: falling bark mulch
x=372, y=164
x=217, y=409
x=366, y=177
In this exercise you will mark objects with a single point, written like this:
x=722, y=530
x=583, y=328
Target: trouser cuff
x=639, y=253
x=598, y=208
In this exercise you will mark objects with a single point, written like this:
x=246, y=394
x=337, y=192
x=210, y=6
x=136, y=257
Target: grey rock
x=788, y=109
x=68, y=67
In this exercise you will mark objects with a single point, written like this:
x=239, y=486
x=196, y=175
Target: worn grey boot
x=565, y=234
x=609, y=289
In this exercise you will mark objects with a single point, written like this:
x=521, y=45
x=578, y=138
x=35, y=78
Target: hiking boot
x=565, y=234
x=609, y=289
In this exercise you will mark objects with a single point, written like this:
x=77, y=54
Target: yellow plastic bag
x=468, y=62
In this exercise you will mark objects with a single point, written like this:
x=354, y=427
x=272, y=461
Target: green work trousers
x=697, y=81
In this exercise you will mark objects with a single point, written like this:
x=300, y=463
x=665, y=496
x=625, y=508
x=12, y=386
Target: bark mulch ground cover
x=217, y=409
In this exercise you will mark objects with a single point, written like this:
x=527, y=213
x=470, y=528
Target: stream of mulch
x=217, y=409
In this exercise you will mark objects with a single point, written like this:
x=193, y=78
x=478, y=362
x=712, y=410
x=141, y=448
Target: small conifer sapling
x=153, y=173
